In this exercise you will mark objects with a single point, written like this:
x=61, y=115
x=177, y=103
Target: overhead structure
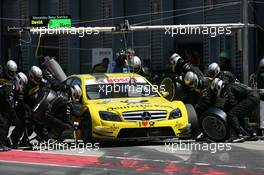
x=127, y=28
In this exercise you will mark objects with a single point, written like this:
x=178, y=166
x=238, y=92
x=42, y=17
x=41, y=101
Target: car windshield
x=119, y=88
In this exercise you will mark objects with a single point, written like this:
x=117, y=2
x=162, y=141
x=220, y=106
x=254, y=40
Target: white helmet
x=76, y=92
x=173, y=61
x=191, y=79
x=20, y=81
x=217, y=85
x=11, y=69
x=135, y=62
x=35, y=74
x=213, y=70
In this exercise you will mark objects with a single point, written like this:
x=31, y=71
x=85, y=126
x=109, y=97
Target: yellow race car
x=127, y=106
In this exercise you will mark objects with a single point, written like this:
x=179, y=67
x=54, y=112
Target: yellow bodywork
x=103, y=129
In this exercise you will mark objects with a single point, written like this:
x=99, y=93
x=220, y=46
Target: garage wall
x=213, y=46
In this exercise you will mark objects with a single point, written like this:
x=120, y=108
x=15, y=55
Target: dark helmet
x=261, y=67
x=217, y=85
x=191, y=80
x=213, y=70
x=76, y=92
x=174, y=61
x=20, y=81
x=35, y=74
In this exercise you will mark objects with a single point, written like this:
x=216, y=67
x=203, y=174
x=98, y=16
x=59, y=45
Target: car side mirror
x=164, y=94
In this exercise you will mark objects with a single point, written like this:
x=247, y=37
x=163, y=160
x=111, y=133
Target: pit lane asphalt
x=160, y=157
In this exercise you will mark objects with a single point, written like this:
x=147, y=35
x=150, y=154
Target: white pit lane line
x=95, y=153
x=258, y=145
x=230, y=166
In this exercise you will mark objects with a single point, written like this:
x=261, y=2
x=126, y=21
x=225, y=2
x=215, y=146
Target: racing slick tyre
x=86, y=128
x=169, y=85
x=214, y=124
x=193, y=120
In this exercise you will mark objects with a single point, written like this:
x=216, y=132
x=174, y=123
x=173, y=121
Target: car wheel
x=193, y=120
x=214, y=125
x=169, y=86
x=86, y=128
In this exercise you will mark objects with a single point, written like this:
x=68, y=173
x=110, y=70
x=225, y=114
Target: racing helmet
x=11, y=69
x=76, y=92
x=20, y=81
x=261, y=67
x=135, y=62
x=174, y=60
x=35, y=74
x=217, y=85
x=191, y=80
x=213, y=70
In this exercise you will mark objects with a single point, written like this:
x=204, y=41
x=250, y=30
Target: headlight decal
x=176, y=113
x=109, y=116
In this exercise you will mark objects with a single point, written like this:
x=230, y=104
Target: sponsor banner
x=139, y=106
x=99, y=53
x=116, y=80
